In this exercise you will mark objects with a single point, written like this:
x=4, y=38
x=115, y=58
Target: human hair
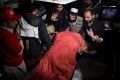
x=89, y=10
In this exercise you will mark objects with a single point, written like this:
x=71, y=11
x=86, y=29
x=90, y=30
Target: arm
x=68, y=29
x=83, y=49
x=43, y=35
x=64, y=24
x=95, y=38
x=21, y=43
x=13, y=44
x=82, y=31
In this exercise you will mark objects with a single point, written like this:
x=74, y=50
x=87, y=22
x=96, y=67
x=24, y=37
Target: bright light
x=58, y=1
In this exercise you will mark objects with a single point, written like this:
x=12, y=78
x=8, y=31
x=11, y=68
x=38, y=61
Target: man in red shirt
x=11, y=46
x=60, y=60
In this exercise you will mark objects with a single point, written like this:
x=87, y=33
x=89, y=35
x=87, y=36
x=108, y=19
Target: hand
x=98, y=39
x=83, y=49
x=90, y=34
x=95, y=38
x=54, y=17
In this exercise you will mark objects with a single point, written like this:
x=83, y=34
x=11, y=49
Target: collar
x=90, y=24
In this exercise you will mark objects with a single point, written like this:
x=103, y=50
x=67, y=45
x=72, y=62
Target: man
x=60, y=61
x=59, y=18
x=87, y=3
x=92, y=32
x=75, y=22
x=35, y=37
x=92, y=29
x=11, y=46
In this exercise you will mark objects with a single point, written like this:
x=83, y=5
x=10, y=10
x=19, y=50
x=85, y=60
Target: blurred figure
x=59, y=18
x=93, y=63
x=35, y=37
x=11, y=46
x=60, y=61
x=41, y=11
x=87, y=3
x=75, y=22
x=92, y=29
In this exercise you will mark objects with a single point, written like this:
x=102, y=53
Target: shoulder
x=6, y=35
x=98, y=22
x=80, y=18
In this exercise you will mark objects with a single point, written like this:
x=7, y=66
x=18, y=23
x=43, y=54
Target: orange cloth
x=59, y=62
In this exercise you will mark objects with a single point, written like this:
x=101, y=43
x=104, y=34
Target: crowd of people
x=47, y=49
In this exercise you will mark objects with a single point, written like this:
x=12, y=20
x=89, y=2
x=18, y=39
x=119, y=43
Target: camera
x=110, y=13
x=110, y=10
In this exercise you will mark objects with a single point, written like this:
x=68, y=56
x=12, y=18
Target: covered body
x=60, y=60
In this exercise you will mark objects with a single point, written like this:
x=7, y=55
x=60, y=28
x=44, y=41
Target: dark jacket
x=34, y=44
x=97, y=28
x=62, y=23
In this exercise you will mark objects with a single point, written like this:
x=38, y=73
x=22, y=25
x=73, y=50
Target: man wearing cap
x=75, y=22
x=11, y=46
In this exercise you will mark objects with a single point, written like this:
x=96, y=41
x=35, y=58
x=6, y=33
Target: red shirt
x=9, y=48
x=60, y=61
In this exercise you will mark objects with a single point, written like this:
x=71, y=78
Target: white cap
x=74, y=10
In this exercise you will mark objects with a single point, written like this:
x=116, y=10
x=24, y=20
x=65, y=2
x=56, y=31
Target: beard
x=89, y=21
x=73, y=20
